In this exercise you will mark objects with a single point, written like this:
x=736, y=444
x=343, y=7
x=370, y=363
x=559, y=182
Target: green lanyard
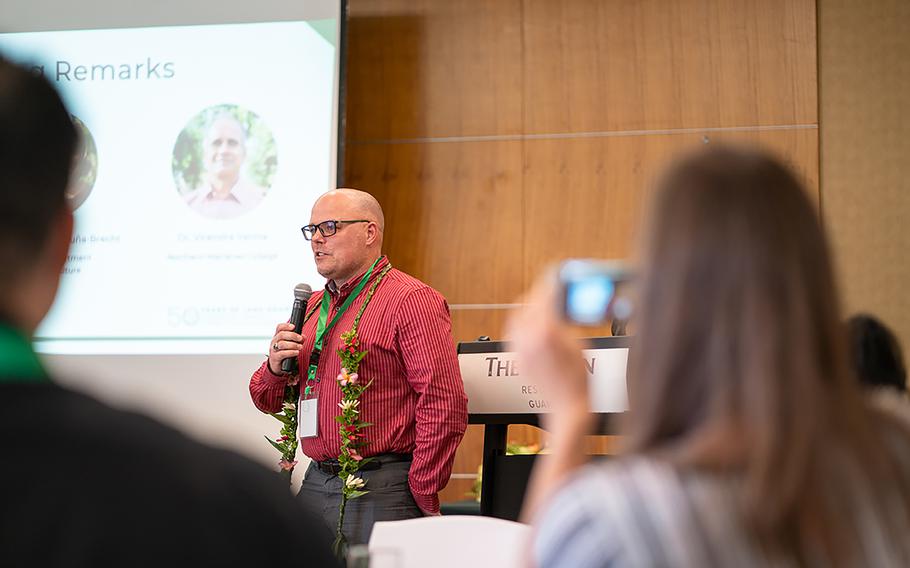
x=322, y=328
x=18, y=363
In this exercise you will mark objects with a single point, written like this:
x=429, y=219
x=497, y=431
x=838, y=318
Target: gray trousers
x=389, y=499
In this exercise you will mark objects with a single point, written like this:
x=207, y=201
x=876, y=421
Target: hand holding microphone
x=287, y=341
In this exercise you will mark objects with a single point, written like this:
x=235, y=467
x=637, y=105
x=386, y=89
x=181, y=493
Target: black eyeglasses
x=326, y=228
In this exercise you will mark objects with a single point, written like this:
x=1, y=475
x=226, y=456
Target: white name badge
x=308, y=418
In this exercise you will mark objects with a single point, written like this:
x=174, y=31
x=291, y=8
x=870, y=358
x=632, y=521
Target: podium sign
x=494, y=382
x=499, y=395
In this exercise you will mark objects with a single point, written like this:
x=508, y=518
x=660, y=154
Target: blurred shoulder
x=892, y=403
x=638, y=511
x=95, y=436
x=891, y=411
x=129, y=480
x=588, y=521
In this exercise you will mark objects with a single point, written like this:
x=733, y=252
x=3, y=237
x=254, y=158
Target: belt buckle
x=329, y=467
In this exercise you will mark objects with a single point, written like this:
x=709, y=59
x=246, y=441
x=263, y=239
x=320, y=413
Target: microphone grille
x=302, y=292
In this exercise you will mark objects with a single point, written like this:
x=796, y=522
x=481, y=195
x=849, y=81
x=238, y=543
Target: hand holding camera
x=578, y=292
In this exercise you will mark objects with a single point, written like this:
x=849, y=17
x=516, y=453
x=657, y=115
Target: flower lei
x=286, y=443
x=350, y=425
x=349, y=429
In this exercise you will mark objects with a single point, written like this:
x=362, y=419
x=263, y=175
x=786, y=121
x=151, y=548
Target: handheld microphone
x=302, y=293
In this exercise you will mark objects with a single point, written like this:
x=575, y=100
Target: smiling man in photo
x=225, y=193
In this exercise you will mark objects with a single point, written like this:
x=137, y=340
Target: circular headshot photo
x=224, y=161
x=85, y=166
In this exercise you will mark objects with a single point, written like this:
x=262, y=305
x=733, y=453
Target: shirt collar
x=18, y=362
x=210, y=196
x=350, y=284
x=241, y=193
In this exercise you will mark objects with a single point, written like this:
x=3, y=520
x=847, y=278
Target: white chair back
x=450, y=542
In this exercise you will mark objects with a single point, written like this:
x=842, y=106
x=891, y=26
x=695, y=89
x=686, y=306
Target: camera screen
x=588, y=298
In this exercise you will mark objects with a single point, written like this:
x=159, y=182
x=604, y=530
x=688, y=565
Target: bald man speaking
x=415, y=406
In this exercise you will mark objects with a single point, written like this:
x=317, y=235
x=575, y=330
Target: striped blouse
x=638, y=511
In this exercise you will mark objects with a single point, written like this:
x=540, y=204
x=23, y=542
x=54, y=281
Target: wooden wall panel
x=453, y=213
x=864, y=85
x=798, y=148
x=499, y=136
x=420, y=68
x=594, y=65
x=468, y=325
x=585, y=197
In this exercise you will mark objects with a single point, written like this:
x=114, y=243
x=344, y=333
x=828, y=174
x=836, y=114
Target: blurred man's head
x=350, y=247
x=37, y=144
x=224, y=148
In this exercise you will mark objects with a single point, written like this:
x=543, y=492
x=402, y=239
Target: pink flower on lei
x=345, y=378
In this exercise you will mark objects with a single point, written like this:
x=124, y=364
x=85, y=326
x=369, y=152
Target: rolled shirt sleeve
x=267, y=388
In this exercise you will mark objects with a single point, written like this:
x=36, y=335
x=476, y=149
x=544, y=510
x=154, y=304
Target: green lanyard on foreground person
x=18, y=362
x=322, y=328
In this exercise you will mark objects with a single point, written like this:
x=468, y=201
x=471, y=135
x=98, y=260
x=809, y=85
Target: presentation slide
x=203, y=149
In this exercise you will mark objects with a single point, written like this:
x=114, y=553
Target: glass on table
x=361, y=556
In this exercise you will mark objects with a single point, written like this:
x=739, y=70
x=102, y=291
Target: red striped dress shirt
x=417, y=402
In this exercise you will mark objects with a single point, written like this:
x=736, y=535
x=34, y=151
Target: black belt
x=332, y=467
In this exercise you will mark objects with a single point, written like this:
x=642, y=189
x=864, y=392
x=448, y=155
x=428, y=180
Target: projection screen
x=208, y=131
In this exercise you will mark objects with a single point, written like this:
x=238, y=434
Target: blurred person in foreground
x=83, y=484
x=878, y=364
x=876, y=354
x=747, y=442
